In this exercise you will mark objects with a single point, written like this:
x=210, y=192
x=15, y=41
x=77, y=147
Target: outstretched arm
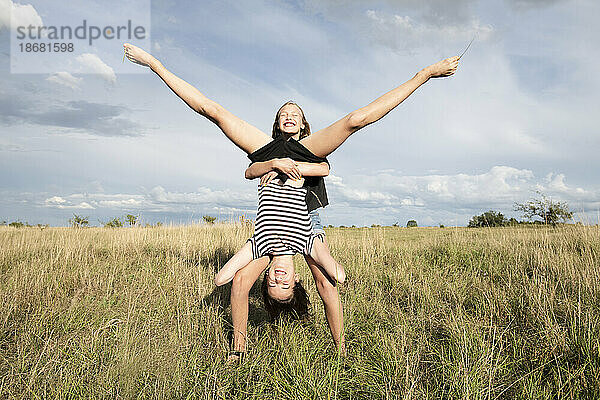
x=325, y=141
x=242, y=134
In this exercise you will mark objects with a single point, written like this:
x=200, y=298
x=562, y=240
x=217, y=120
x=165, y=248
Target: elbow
x=247, y=174
x=356, y=120
x=325, y=169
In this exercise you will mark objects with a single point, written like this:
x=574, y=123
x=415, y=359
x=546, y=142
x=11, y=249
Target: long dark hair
x=296, y=307
x=304, y=132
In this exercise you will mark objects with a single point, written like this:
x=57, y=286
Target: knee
x=356, y=119
x=325, y=288
x=239, y=286
x=219, y=281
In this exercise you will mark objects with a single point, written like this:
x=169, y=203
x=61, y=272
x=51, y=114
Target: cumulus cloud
x=65, y=79
x=203, y=195
x=81, y=116
x=59, y=202
x=11, y=147
x=354, y=194
x=91, y=63
x=499, y=187
x=404, y=33
x=20, y=14
x=532, y=4
x=158, y=200
x=440, y=10
x=405, y=25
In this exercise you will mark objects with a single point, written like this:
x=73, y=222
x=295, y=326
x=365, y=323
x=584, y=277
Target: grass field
x=430, y=313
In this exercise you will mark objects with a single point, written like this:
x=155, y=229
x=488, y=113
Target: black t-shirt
x=316, y=195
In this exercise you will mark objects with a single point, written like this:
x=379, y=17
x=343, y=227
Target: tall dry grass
x=430, y=313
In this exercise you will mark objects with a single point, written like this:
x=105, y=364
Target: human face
x=290, y=119
x=281, y=279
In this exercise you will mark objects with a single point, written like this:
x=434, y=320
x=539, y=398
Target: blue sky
x=517, y=117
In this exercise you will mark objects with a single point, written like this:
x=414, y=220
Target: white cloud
x=159, y=200
x=91, y=63
x=119, y=203
x=15, y=14
x=56, y=200
x=359, y=195
x=203, y=195
x=405, y=33
x=500, y=187
x=59, y=202
x=65, y=79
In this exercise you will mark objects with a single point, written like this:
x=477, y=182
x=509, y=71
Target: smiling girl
x=256, y=143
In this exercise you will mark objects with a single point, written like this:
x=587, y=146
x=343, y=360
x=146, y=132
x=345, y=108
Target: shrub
x=411, y=224
x=78, y=221
x=489, y=219
x=209, y=220
x=113, y=223
x=131, y=219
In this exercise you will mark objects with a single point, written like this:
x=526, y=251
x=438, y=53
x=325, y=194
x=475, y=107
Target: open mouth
x=289, y=124
x=279, y=271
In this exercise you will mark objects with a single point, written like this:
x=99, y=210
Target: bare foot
x=137, y=55
x=443, y=68
x=235, y=357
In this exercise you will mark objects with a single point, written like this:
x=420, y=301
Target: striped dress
x=282, y=226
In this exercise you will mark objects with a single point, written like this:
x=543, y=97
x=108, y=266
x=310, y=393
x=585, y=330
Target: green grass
x=430, y=313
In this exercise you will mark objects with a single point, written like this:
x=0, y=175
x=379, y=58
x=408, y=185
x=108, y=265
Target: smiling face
x=281, y=278
x=291, y=119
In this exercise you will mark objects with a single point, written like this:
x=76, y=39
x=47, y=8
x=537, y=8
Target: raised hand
x=443, y=68
x=137, y=55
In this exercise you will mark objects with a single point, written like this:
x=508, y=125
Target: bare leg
x=325, y=141
x=235, y=263
x=333, y=307
x=241, y=133
x=240, y=289
x=321, y=255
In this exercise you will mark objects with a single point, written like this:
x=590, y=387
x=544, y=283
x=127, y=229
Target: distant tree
x=512, y=222
x=375, y=226
x=489, y=219
x=17, y=224
x=441, y=225
x=209, y=220
x=411, y=224
x=158, y=224
x=550, y=212
x=131, y=219
x=78, y=221
x=113, y=223
x=395, y=224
